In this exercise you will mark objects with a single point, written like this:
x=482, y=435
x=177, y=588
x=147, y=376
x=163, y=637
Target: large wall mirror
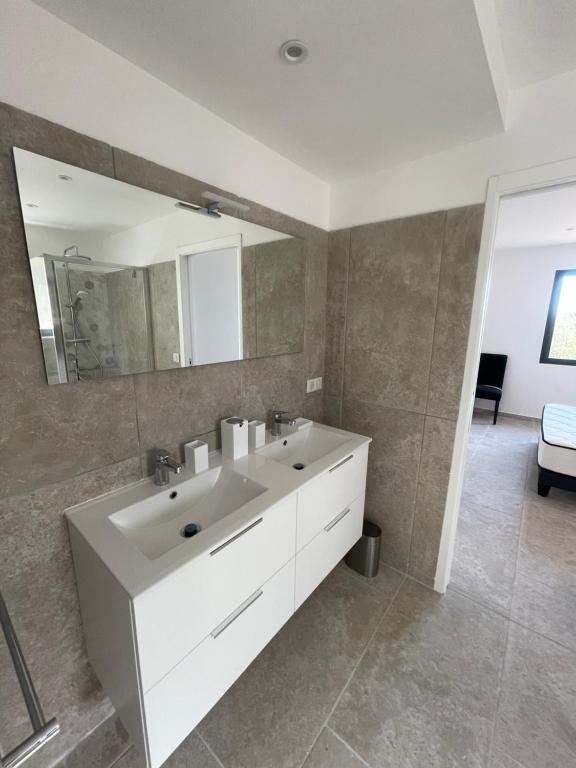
x=127, y=280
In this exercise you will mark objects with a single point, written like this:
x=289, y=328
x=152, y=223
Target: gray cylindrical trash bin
x=364, y=557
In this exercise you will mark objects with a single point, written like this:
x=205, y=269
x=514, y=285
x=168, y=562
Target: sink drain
x=189, y=530
x=298, y=465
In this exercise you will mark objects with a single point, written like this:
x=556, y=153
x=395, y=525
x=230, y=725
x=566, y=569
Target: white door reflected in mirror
x=209, y=279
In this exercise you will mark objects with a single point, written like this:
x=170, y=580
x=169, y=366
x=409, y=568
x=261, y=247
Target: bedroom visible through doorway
x=516, y=532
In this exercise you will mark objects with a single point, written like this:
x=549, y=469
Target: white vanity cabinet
x=178, y=612
x=330, y=515
x=167, y=652
x=321, y=501
x=179, y=701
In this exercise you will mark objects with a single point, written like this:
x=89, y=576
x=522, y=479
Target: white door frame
x=552, y=174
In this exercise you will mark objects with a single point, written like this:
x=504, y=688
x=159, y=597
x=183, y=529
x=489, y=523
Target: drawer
x=177, y=613
x=320, y=501
x=175, y=705
x=325, y=551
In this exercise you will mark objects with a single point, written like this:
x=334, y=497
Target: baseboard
x=489, y=412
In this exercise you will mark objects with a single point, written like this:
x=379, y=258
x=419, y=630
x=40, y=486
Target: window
x=559, y=345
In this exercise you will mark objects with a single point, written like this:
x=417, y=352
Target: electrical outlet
x=313, y=385
x=175, y=357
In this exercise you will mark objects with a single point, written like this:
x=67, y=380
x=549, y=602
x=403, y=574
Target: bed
x=557, y=448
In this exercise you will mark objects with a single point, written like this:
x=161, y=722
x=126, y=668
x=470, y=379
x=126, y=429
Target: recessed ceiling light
x=293, y=51
x=31, y=205
x=64, y=177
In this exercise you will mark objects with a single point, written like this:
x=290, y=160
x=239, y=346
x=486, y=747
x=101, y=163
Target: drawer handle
x=237, y=536
x=341, y=464
x=238, y=612
x=337, y=519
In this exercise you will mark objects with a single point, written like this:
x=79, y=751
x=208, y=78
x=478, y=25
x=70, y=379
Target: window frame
x=551, y=320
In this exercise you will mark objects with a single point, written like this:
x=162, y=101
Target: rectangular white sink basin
x=302, y=448
x=155, y=524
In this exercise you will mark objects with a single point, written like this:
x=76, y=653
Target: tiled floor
x=387, y=674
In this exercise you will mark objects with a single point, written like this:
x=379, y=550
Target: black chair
x=491, y=378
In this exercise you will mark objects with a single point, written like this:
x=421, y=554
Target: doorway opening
x=504, y=543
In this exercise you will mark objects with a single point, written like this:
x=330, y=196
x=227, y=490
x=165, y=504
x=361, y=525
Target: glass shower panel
x=103, y=319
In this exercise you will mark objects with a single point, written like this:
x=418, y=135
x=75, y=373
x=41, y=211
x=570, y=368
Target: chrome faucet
x=279, y=419
x=164, y=465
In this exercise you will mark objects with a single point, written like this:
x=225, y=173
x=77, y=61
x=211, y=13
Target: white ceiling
x=538, y=38
x=386, y=80
x=88, y=202
x=543, y=217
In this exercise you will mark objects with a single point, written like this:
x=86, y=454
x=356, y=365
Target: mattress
x=557, y=444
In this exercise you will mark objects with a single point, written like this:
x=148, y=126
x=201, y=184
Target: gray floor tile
x=548, y=543
x=272, y=715
x=547, y=609
x=496, y=478
x=537, y=715
x=500, y=760
x=330, y=752
x=483, y=493
x=192, y=753
x=545, y=589
x=485, y=555
x=425, y=693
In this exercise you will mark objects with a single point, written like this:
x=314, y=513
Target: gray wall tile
x=173, y=405
x=392, y=472
x=336, y=299
x=332, y=410
x=433, y=477
x=313, y=407
x=105, y=430
x=315, y=315
x=402, y=290
x=455, y=294
x=392, y=292
x=38, y=584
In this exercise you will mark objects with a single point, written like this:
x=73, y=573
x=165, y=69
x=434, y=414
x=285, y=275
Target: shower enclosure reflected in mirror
x=127, y=280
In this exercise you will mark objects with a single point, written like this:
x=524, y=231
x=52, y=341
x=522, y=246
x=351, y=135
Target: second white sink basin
x=302, y=448
x=155, y=524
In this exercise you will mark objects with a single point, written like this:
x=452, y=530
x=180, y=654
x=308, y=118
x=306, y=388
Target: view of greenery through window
x=563, y=344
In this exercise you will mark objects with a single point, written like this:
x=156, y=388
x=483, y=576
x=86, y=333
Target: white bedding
x=557, y=444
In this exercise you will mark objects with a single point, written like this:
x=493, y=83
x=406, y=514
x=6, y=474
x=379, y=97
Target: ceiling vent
x=293, y=51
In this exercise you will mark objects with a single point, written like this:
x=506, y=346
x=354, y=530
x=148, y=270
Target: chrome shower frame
x=60, y=304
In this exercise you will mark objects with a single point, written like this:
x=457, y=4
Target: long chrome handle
x=336, y=520
x=32, y=744
x=341, y=464
x=43, y=731
x=237, y=536
x=235, y=614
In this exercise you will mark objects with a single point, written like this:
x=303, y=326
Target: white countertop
x=134, y=570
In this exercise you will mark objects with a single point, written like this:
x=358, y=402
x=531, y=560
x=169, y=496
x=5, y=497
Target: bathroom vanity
x=172, y=622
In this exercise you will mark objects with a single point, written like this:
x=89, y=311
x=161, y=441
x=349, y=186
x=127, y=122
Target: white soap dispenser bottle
x=234, y=437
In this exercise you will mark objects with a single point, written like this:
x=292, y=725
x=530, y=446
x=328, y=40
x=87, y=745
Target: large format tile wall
x=62, y=444
x=399, y=303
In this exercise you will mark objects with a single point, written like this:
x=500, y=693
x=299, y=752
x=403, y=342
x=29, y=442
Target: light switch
x=313, y=385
